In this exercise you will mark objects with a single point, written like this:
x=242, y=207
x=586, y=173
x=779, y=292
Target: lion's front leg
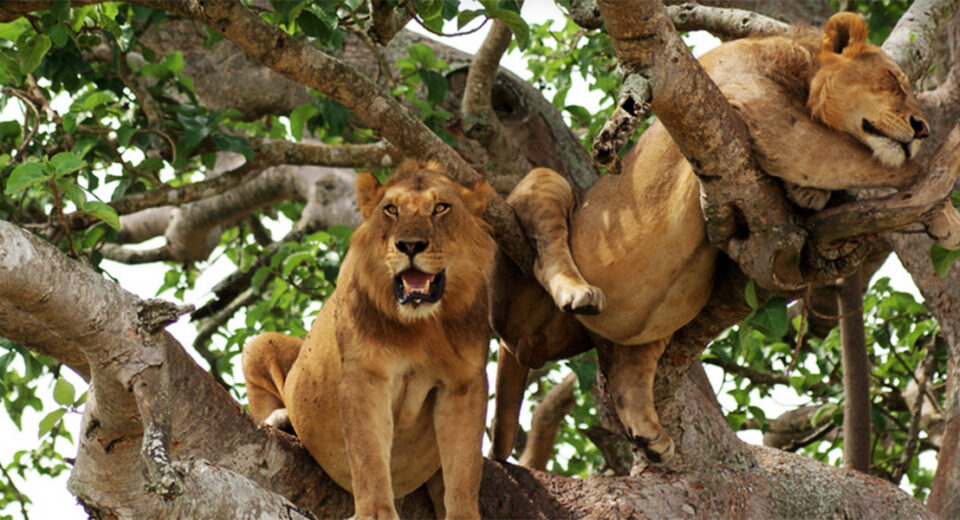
x=364, y=399
x=459, y=417
x=543, y=201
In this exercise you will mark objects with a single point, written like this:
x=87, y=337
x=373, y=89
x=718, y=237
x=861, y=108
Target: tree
x=206, y=91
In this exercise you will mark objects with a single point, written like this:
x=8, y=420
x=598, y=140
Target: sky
x=51, y=498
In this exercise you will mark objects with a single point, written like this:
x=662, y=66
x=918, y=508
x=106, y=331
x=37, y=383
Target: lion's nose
x=412, y=248
x=920, y=129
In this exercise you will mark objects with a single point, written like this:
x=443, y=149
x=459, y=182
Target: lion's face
x=859, y=90
x=426, y=249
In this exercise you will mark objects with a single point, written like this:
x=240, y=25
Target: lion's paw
x=580, y=299
x=809, y=198
x=658, y=451
x=944, y=227
x=280, y=420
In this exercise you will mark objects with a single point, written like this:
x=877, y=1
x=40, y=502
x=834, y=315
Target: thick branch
x=477, y=116
x=726, y=23
x=715, y=142
x=911, y=42
x=545, y=423
x=306, y=64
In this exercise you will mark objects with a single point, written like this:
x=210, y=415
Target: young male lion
x=825, y=111
x=389, y=386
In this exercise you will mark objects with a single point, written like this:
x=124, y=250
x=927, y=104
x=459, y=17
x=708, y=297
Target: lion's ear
x=844, y=33
x=369, y=192
x=476, y=197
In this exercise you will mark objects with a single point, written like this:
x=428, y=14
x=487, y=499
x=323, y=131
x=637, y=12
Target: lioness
x=389, y=385
x=825, y=111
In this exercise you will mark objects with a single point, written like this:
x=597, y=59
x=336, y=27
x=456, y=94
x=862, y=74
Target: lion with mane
x=630, y=261
x=389, y=386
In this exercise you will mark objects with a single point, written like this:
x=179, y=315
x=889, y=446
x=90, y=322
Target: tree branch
x=309, y=66
x=478, y=119
x=715, y=142
x=727, y=23
x=545, y=423
x=910, y=44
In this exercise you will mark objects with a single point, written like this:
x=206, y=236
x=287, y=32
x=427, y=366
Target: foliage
x=900, y=332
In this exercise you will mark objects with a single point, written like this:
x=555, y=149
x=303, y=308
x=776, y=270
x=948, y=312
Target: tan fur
x=639, y=238
x=382, y=394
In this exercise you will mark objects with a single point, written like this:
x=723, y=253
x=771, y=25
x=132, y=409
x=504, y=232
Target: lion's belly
x=640, y=237
x=310, y=395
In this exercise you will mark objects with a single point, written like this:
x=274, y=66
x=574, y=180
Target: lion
x=631, y=259
x=389, y=386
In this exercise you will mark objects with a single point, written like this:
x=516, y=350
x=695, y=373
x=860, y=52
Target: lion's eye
x=441, y=208
x=390, y=210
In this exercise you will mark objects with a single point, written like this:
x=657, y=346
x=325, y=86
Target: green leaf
x=436, y=85
x=943, y=258
x=516, y=24
x=104, y=212
x=66, y=162
x=291, y=262
x=12, y=31
x=299, y=117
x=314, y=26
x=51, y=420
x=73, y=193
x=60, y=9
x=94, y=99
x=750, y=294
x=63, y=392
x=24, y=176
x=233, y=143
x=174, y=62
x=586, y=371
x=580, y=115
x=59, y=34
x=32, y=51
x=771, y=319
x=466, y=17
x=422, y=53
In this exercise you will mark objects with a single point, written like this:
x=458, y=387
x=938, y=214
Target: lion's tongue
x=416, y=282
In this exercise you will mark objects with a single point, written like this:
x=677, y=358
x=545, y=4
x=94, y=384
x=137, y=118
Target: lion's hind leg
x=543, y=202
x=631, y=375
x=266, y=359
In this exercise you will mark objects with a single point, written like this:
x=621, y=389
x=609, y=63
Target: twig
x=22, y=500
x=910, y=447
x=25, y=137
x=58, y=202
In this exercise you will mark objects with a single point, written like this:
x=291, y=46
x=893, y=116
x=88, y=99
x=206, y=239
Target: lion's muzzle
x=415, y=287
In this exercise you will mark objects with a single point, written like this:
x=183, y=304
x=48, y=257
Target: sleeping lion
x=825, y=111
x=390, y=386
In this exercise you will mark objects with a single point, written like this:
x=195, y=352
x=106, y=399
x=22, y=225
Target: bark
x=812, y=12
x=857, y=448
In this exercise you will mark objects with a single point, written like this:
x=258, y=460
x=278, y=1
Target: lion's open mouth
x=415, y=287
